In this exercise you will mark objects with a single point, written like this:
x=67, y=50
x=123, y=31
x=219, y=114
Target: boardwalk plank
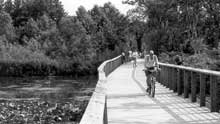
x=128, y=104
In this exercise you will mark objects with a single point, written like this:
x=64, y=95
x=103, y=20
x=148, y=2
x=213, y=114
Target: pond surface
x=48, y=100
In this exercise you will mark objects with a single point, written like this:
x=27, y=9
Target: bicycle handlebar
x=159, y=69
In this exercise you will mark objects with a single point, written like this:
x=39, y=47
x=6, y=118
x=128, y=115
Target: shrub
x=209, y=60
x=17, y=60
x=199, y=61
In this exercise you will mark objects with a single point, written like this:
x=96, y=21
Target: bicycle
x=134, y=62
x=152, y=72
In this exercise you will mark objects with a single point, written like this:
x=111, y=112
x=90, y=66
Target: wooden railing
x=200, y=85
x=96, y=111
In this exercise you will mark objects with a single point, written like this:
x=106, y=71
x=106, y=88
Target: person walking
x=123, y=57
x=130, y=55
x=135, y=57
x=178, y=60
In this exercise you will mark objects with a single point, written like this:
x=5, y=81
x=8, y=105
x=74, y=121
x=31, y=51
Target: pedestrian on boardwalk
x=135, y=57
x=178, y=60
x=130, y=55
x=123, y=57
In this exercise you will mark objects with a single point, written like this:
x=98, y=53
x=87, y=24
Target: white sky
x=71, y=6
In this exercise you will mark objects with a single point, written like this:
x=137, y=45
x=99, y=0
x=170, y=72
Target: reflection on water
x=50, y=99
x=52, y=88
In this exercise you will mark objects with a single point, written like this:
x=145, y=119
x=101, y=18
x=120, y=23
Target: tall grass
x=17, y=60
x=210, y=59
x=31, y=60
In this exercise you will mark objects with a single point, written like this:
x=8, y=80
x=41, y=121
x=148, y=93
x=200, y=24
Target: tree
x=103, y=24
x=45, y=23
x=198, y=45
x=31, y=29
x=35, y=9
x=120, y=24
x=7, y=28
x=170, y=23
x=71, y=26
x=138, y=29
x=78, y=42
x=56, y=10
x=85, y=18
x=1, y=5
x=8, y=6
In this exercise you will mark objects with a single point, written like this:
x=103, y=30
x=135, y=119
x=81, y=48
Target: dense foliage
x=37, y=37
x=40, y=35
x=188, y=28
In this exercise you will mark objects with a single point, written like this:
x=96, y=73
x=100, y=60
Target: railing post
x=174, y=80
x=111, y=66
x=162, y=75
x=159, y=76
x=192, y=82
x=179, y=82
x=214, y=94
x=193, y=86
x=186, y=84
x=171, y=78
x=105, y=71
x=168, y=82
x=167, y=79
x=202, y=89
x=105, y=119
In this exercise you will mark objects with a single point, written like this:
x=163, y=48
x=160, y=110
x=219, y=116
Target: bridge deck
x=127, y=102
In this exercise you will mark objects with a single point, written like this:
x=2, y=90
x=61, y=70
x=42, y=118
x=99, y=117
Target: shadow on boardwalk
x=133, y=106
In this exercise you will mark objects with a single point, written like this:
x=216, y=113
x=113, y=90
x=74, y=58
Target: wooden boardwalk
x=127, y=102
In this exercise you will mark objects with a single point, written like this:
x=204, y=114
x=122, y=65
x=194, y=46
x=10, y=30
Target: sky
x=71, y=6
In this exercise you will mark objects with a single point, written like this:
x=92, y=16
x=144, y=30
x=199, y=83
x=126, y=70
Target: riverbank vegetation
x=37, y=37
x=189, y=29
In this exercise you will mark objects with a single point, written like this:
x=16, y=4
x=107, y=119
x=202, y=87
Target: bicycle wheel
x=153, y=88
x=149, y=91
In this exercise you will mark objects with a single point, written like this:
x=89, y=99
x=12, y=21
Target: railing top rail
x=203, y=71
x=101, y=67
x=95, y=110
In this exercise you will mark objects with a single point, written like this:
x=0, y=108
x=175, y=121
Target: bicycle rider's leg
x=148, y=82
x=154, y=82
x=147, y=77
x=154, y=76
x=135, y=62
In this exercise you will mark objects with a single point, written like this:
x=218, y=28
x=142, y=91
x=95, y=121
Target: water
x=44, y=99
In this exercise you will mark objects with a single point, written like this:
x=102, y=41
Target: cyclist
x=151, y=65
x=135, y=56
